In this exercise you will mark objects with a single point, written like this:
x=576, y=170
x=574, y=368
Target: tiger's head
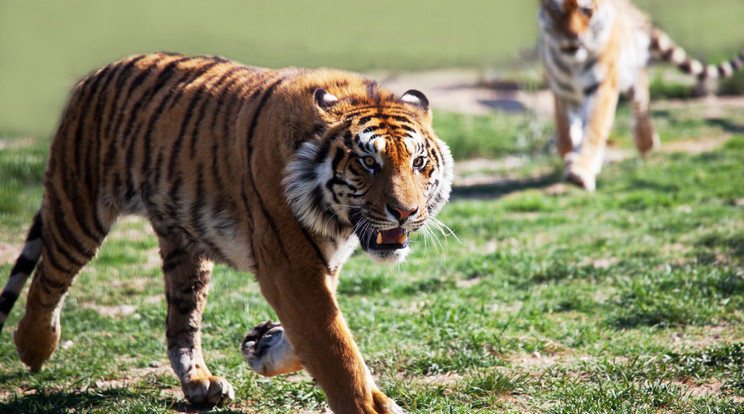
x=374, y=168
x=575, y=25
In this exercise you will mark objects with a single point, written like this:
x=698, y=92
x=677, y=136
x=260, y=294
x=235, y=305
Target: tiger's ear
x=417, y=99
x=323, y=99
x=324, y=103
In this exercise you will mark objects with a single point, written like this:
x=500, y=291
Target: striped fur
x=595, y=50
x=276, y=172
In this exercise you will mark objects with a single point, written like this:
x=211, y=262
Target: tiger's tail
x=22, y=269
x=662, y=47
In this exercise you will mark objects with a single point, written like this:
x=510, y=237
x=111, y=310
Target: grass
x=553, y=300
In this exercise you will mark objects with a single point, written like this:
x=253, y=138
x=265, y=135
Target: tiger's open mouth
x=571, y=49
x=378, y=240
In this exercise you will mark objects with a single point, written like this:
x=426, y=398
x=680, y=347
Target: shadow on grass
x=98, y=400
x=505, y=186
x=726, y=125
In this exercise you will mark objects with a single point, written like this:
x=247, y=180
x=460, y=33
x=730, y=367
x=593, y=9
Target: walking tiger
x=593, y=51
x=280, y=173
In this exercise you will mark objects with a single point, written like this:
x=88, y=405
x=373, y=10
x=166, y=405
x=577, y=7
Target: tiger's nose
x=401, y=213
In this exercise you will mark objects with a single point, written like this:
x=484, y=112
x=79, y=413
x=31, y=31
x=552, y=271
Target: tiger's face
x=575, y=25
x=377, y=171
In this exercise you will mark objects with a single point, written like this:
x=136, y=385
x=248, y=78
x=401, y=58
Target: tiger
x=281, y=173
x=594, y=51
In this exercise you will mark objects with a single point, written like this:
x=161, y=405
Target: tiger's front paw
x=268, y=351
x=580, y=177
x=383, y=404
x=210, y=390
x=36, y=341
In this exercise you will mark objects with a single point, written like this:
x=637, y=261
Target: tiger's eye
x=419, y=162
x=368, y=161
x=586, y=11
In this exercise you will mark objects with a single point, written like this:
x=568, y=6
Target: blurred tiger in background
x=281, y=173
x=593, y=51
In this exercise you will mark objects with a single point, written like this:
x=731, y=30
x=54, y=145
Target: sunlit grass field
x=548, y=300
x=545, y=299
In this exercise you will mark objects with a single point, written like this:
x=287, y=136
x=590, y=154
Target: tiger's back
x=156, y=135
x=281, y=173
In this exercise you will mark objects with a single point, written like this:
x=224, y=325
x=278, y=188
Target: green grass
x=626, y=300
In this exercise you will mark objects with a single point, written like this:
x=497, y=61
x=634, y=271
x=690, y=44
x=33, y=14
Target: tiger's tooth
x=402, y=238
x=379, y=238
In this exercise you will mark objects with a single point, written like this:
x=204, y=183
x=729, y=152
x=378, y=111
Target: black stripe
x=373, y=91
x=197, y=285
x=185, y=330
x=174, y=196
x=172, y=260
x=198, y=210
x=216, y=161
x=126, y=170
x=123, y=72
x=347, y=140
x=402, y=119
x=155, y=177
x=7, y=300
x=203, y=112
x=60, y=222
x=173, y=98
x=90, y=223
x=251, y=129
x=667, y=54
x=322, y=153
x=340, y=155
x=184, y=306
x=45, y=281
x=81, y=143
x=721, y=71
x=563, y=86
x=236, y=100
x=590, y=90
x=59, y=247
x=24, y=265
x=196, y=99
x=114, y=125
x=163, y=77
x=686, y=66
x=35, y=231
x=308, y=175
x=560, y=64
x=129, y=139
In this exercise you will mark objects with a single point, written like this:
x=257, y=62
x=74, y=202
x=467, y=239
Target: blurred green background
x=45, y=46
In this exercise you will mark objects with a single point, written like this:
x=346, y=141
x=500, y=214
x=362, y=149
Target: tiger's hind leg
x=67, y=245
x=644, y=135
x=187, y=279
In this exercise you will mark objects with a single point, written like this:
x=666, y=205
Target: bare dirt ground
x=465, y=91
